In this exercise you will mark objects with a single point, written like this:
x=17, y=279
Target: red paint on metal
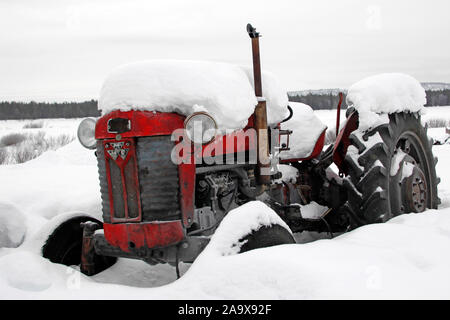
x=121, y=163
x=343, y=142
x=241, y=141
x=143, y=123
x=148, y=235
x=315, y=152
x=149, y=123
x=338, y=118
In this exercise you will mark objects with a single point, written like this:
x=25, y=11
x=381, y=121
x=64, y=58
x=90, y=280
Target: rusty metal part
x=284, y=146
x=263, y=162
x=414, y=189
x=343, y=141
x=338, y=117
x=87, y=250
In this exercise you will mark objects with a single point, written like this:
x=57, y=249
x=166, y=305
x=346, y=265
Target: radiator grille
x=158, y=182
x=158, y=179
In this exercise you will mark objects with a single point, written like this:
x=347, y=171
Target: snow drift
x=12, y=225
x=400, y=259
x=223, y=90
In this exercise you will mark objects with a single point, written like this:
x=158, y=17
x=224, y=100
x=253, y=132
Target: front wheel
x=266, y=236
x=391, y=171
x=64, y=244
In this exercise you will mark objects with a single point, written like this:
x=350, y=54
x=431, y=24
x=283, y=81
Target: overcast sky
x=62, y=50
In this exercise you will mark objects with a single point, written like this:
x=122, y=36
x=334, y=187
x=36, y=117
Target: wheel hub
x=414, y=190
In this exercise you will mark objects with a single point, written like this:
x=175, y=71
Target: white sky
x=62, y=50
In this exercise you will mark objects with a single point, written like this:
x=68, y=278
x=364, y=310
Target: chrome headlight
x=200, y=127
x=86, y=133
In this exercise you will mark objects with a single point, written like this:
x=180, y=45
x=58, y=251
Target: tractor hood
x=224, y=91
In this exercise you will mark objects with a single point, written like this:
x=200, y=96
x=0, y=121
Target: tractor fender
x=343, y=141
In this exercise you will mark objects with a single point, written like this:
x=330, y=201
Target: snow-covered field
x=404, y=258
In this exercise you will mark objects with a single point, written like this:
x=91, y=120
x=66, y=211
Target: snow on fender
x=384, y=94
x=12, y=226
x=42, y=235
x=237, y=224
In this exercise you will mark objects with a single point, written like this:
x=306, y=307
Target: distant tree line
x=438, y=98
x=43, y=110
x=319, y=101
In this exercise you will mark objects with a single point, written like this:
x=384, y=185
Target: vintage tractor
x=162, y=208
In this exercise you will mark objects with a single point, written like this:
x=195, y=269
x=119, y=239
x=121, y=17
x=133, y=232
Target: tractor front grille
x=157, y=197
x=158, y=179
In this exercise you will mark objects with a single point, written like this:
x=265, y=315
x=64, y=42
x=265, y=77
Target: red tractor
x=164, y=211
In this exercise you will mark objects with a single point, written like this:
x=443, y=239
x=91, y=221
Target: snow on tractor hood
x=225, y=91
x=385, y=93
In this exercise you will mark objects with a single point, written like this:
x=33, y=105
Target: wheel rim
x=410, y=192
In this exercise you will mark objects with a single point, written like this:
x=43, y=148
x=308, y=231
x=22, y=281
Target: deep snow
x=404, y=258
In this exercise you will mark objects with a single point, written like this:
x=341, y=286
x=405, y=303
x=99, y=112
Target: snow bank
x=223, y=90
x=64, y=180
x=385, y=93
x=25, y=271
x=381, y=261
x=306, y=128
x=12, y=226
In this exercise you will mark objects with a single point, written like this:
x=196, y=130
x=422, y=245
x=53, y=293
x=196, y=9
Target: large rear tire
x=391, y=171
x=64, y=244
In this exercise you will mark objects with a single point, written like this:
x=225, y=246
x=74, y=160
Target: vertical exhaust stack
x=263, y=161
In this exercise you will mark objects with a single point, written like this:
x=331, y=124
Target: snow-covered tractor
x=181, y=144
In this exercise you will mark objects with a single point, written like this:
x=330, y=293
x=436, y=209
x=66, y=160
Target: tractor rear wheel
x=391, y=171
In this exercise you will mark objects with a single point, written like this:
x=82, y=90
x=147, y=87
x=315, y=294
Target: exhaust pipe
x=263, y=160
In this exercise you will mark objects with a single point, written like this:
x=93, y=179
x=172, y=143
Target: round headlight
x=200, y=127
x=86, y=133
